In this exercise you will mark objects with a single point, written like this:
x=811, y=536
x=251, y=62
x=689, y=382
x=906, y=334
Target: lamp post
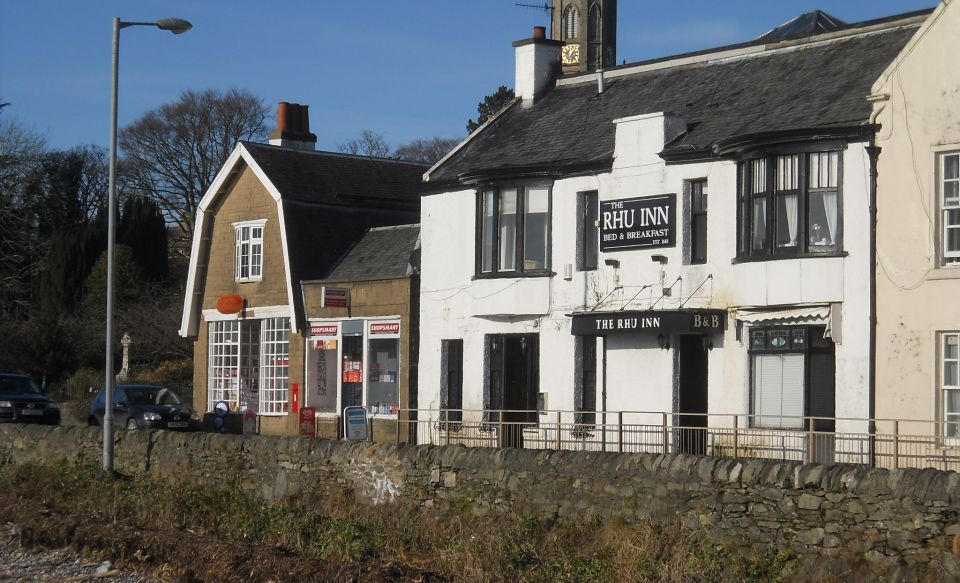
x=176, y=26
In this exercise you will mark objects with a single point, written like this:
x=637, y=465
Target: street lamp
x=176, y=26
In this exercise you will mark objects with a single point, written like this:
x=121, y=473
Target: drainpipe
x=873, y=151
x=603, y=396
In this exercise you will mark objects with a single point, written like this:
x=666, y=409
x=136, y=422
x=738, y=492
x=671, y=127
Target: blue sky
x=407, y=69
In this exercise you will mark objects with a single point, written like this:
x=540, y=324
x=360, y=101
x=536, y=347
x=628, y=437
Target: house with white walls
x=680, y=241
x=917, y=106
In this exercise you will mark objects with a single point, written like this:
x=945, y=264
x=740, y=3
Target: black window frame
x=519, y=271
x=451, y=381
x=697, y=191
x=812, y=341
x=585, y=383
x=588, y=230
x=746, y=199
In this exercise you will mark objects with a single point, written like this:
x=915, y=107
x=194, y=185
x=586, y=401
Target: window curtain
x=508, y=230
x=830, y=210
x=790, y=204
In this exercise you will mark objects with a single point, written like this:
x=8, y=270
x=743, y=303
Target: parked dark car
x=145, y=407
x=22, y=401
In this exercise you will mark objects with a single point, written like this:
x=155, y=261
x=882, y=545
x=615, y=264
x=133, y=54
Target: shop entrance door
x=351, y=373
x=514, y=383
x=692, y=403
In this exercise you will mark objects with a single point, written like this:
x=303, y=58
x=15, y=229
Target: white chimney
x=538, y=63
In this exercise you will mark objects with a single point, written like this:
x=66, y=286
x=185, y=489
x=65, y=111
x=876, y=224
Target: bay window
x=949, y=198
x=513, y=231
x=789, y=205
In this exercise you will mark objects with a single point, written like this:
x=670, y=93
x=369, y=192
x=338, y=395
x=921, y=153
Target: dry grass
x=448, y=546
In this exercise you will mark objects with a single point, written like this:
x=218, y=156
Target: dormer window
x=571, y=22
x=248, y=261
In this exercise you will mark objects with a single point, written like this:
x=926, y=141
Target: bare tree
x=173, y=153
x=22, y=154
x=369, y=143
x=427, y=150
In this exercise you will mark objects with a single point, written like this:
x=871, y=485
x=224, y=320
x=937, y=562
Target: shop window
x=949, y=198
x=274, y=365
x=792, y=376
x=789, y=206
x=322, y=370
x=451, y=382
x=248, y=257
x=585, y=381
x=383, y=376
x=513, y=231
x=588, y=230
x=248, y=365
x=950, y=383
x=697, y=220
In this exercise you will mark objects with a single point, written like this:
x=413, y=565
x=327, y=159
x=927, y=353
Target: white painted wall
x=639, y=374
x=916, y=297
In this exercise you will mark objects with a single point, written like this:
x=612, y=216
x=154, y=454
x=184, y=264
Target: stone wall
x=890, y=518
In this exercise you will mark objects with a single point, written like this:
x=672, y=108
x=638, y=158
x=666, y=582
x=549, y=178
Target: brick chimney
x=538, y=63
x=293, y=127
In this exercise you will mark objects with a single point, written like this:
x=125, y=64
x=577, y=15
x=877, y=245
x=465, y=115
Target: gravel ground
x=20, y=564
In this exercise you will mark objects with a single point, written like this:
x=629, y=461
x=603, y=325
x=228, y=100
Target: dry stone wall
x=890, y=518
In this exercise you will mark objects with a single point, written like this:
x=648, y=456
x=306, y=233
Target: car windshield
x=151, y=396
x=17, y=384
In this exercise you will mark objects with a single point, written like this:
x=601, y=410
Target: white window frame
x=946, y=385
x=255, y=350
x=223, y=372
x=247, y=247
x=274, y=366
x=947, y=258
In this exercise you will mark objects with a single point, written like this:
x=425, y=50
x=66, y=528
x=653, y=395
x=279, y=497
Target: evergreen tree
x=144, y=231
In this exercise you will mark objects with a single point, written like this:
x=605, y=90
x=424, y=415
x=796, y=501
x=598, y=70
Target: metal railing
x=892, y=444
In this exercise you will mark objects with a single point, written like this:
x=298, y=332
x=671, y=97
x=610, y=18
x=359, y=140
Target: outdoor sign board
x=324, y=330
x=355, y=424
x=652, y=321
x=645, y=222
x=377, y=328
x=308, y=421
x=334, y=297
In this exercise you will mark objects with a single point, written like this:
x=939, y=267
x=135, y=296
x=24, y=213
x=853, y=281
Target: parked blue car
x=144, y=407
x=22, y=401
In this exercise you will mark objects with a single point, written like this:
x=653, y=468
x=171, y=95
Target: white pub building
x=685, y=240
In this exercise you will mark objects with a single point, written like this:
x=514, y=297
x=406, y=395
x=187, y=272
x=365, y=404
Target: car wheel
x=132, y=424
x=92, y=422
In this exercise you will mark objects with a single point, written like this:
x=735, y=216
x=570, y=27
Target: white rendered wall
x=640, y=376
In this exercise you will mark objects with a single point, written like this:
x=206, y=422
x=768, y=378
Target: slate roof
x=341, y=179
x=382, y=253
x=799, y=87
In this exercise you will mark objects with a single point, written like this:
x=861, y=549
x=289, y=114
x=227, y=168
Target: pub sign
x=644, y=222
x=696, y=321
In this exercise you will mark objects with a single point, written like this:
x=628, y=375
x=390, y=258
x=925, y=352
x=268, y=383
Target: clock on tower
x=589, y=29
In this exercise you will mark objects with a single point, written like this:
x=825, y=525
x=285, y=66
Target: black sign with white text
x=704, y=321
x=645, y=222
